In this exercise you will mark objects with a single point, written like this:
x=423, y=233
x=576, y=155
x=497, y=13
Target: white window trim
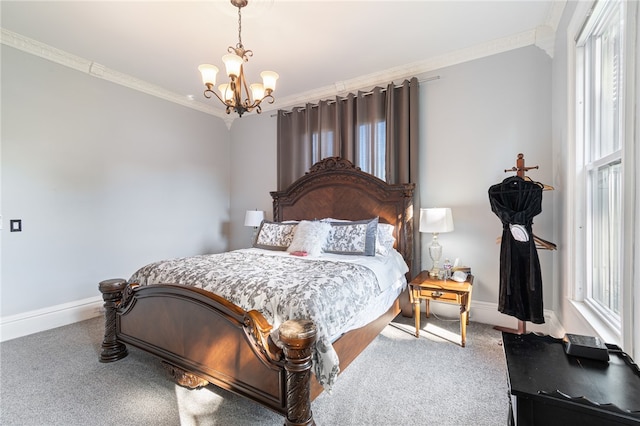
x=631, y=293
x=575, y=214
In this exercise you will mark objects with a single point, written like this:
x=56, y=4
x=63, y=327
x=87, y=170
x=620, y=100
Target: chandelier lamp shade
x=435, y=220
x=238, y=95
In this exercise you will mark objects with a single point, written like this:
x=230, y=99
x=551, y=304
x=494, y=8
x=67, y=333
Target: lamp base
x=435, y=252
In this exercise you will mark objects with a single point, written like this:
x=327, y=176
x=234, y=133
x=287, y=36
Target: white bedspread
x=332, y=290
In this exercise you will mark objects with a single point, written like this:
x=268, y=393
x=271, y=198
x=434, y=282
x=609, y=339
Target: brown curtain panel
x=377, y=131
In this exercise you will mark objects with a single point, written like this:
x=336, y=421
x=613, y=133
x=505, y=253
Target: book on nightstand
x=585, y=347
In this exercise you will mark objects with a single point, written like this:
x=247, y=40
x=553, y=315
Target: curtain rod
x=330, y=101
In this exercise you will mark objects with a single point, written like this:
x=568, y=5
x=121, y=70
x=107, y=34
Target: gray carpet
x=54, y=378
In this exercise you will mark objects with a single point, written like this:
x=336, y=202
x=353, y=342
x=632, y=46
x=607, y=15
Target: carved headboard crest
x=332, y=163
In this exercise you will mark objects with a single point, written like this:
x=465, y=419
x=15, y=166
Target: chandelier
x=235, y=94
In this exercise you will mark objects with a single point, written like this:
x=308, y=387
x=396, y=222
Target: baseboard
x=31, y=322
x=56, y=316
x=487, y=313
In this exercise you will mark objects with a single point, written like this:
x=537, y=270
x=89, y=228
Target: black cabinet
x=548, y=387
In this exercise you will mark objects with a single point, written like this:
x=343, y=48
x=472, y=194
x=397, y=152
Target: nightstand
x=424, y=287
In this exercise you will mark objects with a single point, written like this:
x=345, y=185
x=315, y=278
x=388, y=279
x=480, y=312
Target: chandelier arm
x=208, y=90
x=237, y=88
x=246, y=90
x=270, y=98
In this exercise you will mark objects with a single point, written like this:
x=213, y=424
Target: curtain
x=377, y=131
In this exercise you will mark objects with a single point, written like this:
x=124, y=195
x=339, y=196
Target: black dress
x=516, y=201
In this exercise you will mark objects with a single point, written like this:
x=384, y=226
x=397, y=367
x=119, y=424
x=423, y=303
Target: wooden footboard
x=204, y=339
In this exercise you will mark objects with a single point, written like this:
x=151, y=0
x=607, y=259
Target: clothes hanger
x=544, y=244
x=520, y=169
x=544, y=186
x=541, y=243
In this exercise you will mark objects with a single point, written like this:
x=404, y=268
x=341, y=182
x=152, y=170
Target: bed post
x=298, y=337
x=112, y=293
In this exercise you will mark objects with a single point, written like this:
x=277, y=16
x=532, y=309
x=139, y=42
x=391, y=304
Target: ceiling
x=319, y=48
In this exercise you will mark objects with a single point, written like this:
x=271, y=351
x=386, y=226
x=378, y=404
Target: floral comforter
x=331, y=293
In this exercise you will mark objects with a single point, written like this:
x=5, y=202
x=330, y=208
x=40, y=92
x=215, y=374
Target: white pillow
x=310, y=237
x=386, y=240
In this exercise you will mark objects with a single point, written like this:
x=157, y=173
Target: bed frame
x=204, y=339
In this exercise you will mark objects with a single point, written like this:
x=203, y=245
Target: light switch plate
x=15, y=225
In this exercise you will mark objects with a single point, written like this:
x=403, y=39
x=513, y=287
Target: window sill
x=604, y=330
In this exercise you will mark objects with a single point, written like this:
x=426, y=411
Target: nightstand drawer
x=436, y=294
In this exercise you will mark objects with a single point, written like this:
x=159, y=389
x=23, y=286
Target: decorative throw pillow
x=310, y=237
x=386, y=240
x=356, y=237
x=275, y=235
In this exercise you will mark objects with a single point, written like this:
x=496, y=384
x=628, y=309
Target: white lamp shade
x=269, y=79
x=233, y=63
x=253, y=218
x=436, y=220
x=225, y=92
x=257, y=91
x=209, y=73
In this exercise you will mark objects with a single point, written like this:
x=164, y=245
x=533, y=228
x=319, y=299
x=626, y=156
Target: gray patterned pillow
x=275, y=235
x=357, y=237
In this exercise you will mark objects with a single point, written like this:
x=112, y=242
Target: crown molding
x=542, y=37
x=546, y=34
x=400, y=73
x=546, y=39
x=94, y=69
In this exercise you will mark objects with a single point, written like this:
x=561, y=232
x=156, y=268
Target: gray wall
x=107, y=179
x=253, y=156
x=104, y=178
x=474, y=121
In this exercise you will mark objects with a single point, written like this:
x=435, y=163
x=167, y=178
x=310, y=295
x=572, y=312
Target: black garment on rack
x=516, y=201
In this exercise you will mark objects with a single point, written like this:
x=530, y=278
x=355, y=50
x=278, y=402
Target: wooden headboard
x=335, y=188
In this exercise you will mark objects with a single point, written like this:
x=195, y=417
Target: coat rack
x=520, y=170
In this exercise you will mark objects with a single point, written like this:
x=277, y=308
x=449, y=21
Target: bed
x=262, y=350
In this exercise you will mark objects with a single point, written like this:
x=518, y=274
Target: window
x=600, y=89
x=370, y=146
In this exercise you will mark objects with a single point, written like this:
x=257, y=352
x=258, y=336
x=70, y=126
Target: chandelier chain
x=239, y=27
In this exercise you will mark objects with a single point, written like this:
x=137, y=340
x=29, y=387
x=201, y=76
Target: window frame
x=621, y=330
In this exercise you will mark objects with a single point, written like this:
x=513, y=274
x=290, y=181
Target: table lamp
x=435, y=220
x=253, y=218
